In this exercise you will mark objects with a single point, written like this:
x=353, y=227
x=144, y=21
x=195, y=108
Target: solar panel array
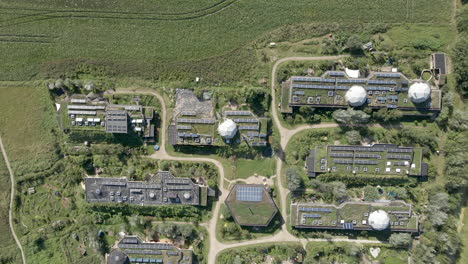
x=143, y=185
x=145, y=260
x=159, y=246
x=351, y=81
x=78, y=100
x=311, y=216
x=87, y=107
x=402, y=157
x=143, y=252
x=245, y=120
x=366, y=162
x=258, y=144
x=312, y=86
x=249, y=127
x=392, y=106
x=249, y=193
x=387, y=75
x=132, y=107
x=315, y=209
x=367, y=156
x=237, y=113
x=336, y=74
x=78, y=112
x=195, y=121
x=343, y=161
x=381, y=82
x=184, y=127
x=400, y=150
x=177, y=181
x=299, y=92
x=362, y=149
x=401, y=89
x=376, y=88
x=338, y=87
x=341, y=155
x=188, y=113
x=188, y=135
x=348, y=226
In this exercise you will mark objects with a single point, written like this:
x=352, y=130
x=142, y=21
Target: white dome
x=356, y=95
x=227, y=129
x=419, y=92
x=379, y=220
x=187, y=195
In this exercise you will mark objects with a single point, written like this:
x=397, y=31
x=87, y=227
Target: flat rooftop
x=138, y=251
x=353, y=216
x=251, y=205
x=377, y=159
x=163, y=189
x=384, y=90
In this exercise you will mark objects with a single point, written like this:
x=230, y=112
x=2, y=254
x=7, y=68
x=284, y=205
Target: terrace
x=353, y=216
x=384, y=90
x=378, y=159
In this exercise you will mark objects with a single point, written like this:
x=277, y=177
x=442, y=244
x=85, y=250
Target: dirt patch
x=258, y=179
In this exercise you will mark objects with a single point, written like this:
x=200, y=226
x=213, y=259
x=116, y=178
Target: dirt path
x=12, y=197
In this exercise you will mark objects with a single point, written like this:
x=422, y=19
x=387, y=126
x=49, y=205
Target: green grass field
x=175, y=39
x=27, y=126
x=264, y=167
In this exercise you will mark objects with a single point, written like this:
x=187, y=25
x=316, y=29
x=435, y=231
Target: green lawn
x=181, y=39
x=28, y=126
x=264, y=167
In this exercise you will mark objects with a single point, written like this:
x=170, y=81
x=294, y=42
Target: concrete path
x=12, y=197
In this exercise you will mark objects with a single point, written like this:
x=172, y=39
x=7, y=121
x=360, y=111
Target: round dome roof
x=356, y=95
x=379, y=220
x=187, y=195
x=419, y=92
x=227, y=129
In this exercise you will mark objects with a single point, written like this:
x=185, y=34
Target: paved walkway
x=12, y=197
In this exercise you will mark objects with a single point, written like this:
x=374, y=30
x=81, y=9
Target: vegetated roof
x=251, y=205
x=419, y=92
x=163, y=189
x=356, y=95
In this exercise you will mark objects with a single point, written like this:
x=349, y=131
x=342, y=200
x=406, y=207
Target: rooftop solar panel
x=381, y=82
x=249, y=193
x=402, y=157
x=237, y=113
x=311, y=215
x=336, y=74
x=387, y=75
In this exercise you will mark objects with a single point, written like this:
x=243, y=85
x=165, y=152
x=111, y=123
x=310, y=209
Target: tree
x=387, y=115
x=400, y=240
x=339, y=191
x=354, y=43
x=459, y=121
x=370, y=193
x=350, y=116
x=293, y=179
x=353, y=137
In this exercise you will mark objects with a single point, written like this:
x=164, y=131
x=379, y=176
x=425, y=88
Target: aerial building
x=419, y=92
x=379, y=220
x=227, y=129
x=356, y=95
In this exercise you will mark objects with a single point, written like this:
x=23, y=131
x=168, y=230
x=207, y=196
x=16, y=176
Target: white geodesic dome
x=419, y=92
x=227, y=129
x=379, y=220
x=356, y=95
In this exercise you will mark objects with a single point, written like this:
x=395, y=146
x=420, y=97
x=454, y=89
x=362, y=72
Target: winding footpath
x=12, y=197
x=286, y=134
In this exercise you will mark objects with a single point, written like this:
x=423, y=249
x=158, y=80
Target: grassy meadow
x=167, y=39
x=28, y=126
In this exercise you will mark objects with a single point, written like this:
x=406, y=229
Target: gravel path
x=12, y=197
